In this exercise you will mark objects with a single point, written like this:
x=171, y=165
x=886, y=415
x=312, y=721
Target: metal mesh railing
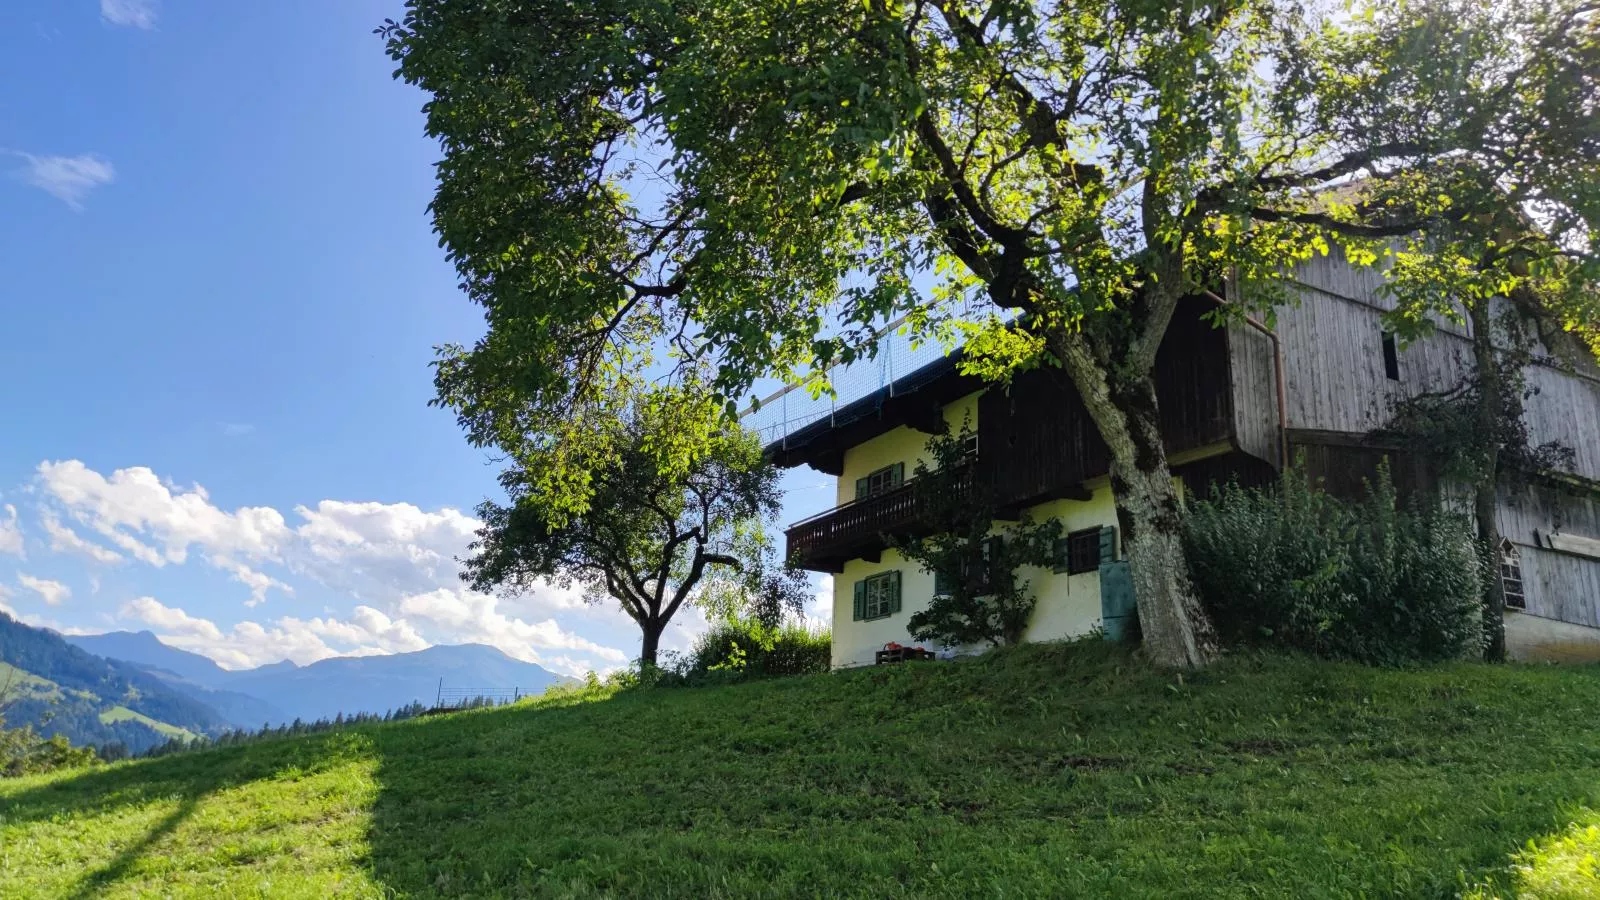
x=792, y=408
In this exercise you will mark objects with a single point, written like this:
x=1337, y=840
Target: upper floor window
x=877, y=596
x=1391, y=357
x=876, y=482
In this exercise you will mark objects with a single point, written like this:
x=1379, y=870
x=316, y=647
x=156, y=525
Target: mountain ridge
x=327, y=687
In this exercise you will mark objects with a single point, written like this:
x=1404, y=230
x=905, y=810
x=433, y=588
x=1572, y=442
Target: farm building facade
x=1235, y=401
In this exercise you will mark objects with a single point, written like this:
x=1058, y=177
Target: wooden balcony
x=859, y=529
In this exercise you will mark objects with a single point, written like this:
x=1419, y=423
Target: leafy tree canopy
x=631, y=184
x=650, y=532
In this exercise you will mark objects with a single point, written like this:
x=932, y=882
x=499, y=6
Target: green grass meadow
x=1044, y=771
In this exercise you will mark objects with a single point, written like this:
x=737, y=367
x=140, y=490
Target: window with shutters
x=878, y=596
x=1511, y=576
x=944, y=583
x=1078, y=552
x=877, y=482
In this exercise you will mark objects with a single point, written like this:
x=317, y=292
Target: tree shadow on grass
x=188, y=778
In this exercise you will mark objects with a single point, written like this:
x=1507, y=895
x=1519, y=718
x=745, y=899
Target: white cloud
x=69, y=179
x=472, y=617
x=258, y=582
x=129, y=13
x=154, y=613
x=65, y=540
x=396, y=560
x=11, y=533
x=53, y=592
x=174, y=518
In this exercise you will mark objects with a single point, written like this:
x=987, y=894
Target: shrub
x=744, y=649
x=1292, y=566
x=24, y=752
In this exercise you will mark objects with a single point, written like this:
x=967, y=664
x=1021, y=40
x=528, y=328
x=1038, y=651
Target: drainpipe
x=1277, y=367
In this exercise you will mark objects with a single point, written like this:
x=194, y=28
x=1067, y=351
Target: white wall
x=1068, y=605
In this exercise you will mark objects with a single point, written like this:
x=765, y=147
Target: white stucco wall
x=1068, y=605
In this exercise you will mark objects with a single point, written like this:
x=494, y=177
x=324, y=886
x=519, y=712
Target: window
x=1391, y=357
x=878, y=596
x=1511, y=576
x=944, y=582
x=969, y=445
x=885, y=479
x=1079, y=551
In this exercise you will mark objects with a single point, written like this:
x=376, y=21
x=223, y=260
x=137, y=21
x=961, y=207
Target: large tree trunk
x=1175, y=629
x=651, y=644
x=1491, y=410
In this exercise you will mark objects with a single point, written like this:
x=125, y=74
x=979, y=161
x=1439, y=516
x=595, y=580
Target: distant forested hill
x=69, y=691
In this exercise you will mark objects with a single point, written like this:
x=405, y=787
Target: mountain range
x=141, y=691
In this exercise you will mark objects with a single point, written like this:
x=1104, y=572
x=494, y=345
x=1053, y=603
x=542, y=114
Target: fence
x=471, y=698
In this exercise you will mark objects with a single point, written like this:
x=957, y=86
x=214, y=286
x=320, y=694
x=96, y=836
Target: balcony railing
x=861, y=528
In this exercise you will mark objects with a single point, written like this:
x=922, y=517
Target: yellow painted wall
x=902, y=445
x=1068, y=605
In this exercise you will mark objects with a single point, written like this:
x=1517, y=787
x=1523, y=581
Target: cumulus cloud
x=396, y=560
x=258, y=582
x=69, y=179
x=53, y=592
x=173, y=518
x=473, y=617
x=65, y=540
x=129, y=13
x=11, y=533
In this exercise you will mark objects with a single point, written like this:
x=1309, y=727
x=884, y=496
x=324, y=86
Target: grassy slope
x=20, y=682
x=1046, y=771
x=124, y=714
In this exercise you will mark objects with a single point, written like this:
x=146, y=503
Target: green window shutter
x=897, y=475
x=1058, y=555
x=861, y=601
x=941, y=583
x=893, y=587
x=861, y=488
x=1108, y=545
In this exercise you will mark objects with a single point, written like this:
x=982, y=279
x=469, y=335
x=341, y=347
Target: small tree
x=978, y=597
x=651, y=528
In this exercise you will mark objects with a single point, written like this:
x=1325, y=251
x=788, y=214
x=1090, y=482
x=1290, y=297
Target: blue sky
x=219, y=294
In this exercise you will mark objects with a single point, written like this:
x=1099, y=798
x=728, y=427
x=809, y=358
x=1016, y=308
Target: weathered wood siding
x=1558, y=585
x=1565, y=407
x=1254, y=385
x=1334, y=368
x=1036, y=438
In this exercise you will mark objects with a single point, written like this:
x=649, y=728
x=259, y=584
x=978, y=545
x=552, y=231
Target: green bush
x=1292, y=566
x=745, y=649
x=24, y=752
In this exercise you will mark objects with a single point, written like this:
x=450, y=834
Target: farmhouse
x=1235, y=402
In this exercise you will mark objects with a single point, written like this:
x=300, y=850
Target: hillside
x=93, y=700
x=1043, y=771
x=283, y=691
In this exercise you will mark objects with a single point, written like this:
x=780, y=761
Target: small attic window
x=1391, y=357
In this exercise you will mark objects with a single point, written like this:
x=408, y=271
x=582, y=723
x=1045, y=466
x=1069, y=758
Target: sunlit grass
x=1043, y=772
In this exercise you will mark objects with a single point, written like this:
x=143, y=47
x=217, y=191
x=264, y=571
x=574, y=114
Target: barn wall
x=1253, y=374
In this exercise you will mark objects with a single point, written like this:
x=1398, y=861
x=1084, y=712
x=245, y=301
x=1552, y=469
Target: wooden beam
x=926, y=419
x=828, y=462
x=1576, y=544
